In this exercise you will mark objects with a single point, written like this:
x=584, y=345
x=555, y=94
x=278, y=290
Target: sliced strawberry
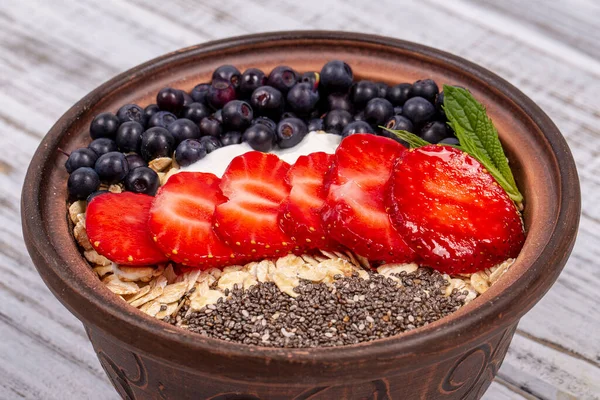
x=451, y=211
x=255, y=186
x=181, y=221
x=117, y=226
x=354, y=213
x=300, y=214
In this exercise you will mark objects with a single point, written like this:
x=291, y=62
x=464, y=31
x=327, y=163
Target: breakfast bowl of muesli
x=302, y=215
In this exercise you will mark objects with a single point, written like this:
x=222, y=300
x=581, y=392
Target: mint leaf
x=478, y=136
x=413, y=140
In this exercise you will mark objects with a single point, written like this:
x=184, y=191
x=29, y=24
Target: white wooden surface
x=54, y=52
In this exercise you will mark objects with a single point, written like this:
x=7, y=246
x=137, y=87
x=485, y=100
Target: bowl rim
x=469, y=325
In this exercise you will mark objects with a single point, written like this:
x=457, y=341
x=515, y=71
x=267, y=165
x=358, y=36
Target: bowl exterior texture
x=454, y=358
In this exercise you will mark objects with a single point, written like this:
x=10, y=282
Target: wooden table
x=54, y=52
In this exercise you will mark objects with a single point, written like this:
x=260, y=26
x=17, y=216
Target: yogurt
x=218, y=161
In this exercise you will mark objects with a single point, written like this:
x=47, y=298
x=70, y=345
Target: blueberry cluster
x=262, y=110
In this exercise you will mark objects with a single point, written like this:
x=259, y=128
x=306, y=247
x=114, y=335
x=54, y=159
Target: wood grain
x=53, y=53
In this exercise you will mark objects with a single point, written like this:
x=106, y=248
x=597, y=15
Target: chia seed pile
x=349, y=311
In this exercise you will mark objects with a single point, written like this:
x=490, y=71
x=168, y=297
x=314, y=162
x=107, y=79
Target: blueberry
x=363, y=91
x=149, y=112
x=182, y=129
x=83, y=182
x=84, y=157
x=290, y=132
x=252, y=79
x=398, y=110
x=260, y=137
x=104, y=125
x=357, y=127
x=211, y=143
x=282, y=78
x=302, y=99
x=187, y=99
x=200, y=92
x=316, y=124
x=400, y=123
x=267, y=101
x=230, y=138
x=289, y=114
x=425, y=88
x=378, y=111
x=435, y=131
x=383, y=89
x=312, y=78
x=360, y=116
x=439, y=102
x=228, y=73
x=237, y=115
x=142, y=180
x=96, y=194
x=339, y=101
x=450, y=140
x=156, y=142
x=336, y=76
x=397, y=95
x=336, y=121
x=161, y=119
x=129, y=136
x=220, y=93
x=418, y=110
x=210, y=126
x=195, y=112
x=111, y=167
x=189, y=151
x=131, y=112
x=218, y=115
x=134, y=161
x=103, y=146
x=265, y=121
x=169, y=99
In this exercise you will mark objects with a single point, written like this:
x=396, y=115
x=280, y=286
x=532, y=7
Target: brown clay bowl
x=456, y=357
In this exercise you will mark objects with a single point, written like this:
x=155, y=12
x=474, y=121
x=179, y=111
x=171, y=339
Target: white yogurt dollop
x=218, y=161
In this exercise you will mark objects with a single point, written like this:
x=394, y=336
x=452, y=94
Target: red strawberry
x=354, y=213
x=181, y=220
x=300, y=214
x=451, y=211
x=255, y=186
x=117, y=226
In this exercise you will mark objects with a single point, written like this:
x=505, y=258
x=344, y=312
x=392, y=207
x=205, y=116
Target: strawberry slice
x=451, y=211
x=354, y=213
x=181, y=221
x=255, y=186
x=300, y=214
x=117, y=226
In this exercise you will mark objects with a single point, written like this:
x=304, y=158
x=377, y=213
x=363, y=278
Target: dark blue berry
x=252, y=79
x=103, y=146
x=195, y=112
x=83, y=182
x=81, y=158
x=149, y=111
x=398, y=110
x=425, y=88
x=289, y=114
x=435, y=131
x=260, y=137
x=218, y=115
x=157, y=142
x=111, y=167
x=210, y=143
x=220, y=93
x=378, y=111
x=302, y=98
x=363, y=91
x=199, y=93
x=267, y=101
x=230, y=138
x=237, y=115
x=339, y=101
x=189, y=151
x=283, y=78
x=336, y=76
x=397, y=95
x=131, y=112
x=142, y=180
x=357, y=127
x=129, y=136
x=383, y=89
x=439, y=103
x=450, y=140
x=228, y=73
x=182, y=129
x=161, y=119
x=359, y=116
x=336, y=120
x=400, y=123
x=311, y=78
x=210, y=126
x=265, y=121
x=96, y=194
x=187, y=100
x=418, y=110
x=290, y=132
x=104, y=125
x=169, y=99
x=134, y=161
x=316, y=124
